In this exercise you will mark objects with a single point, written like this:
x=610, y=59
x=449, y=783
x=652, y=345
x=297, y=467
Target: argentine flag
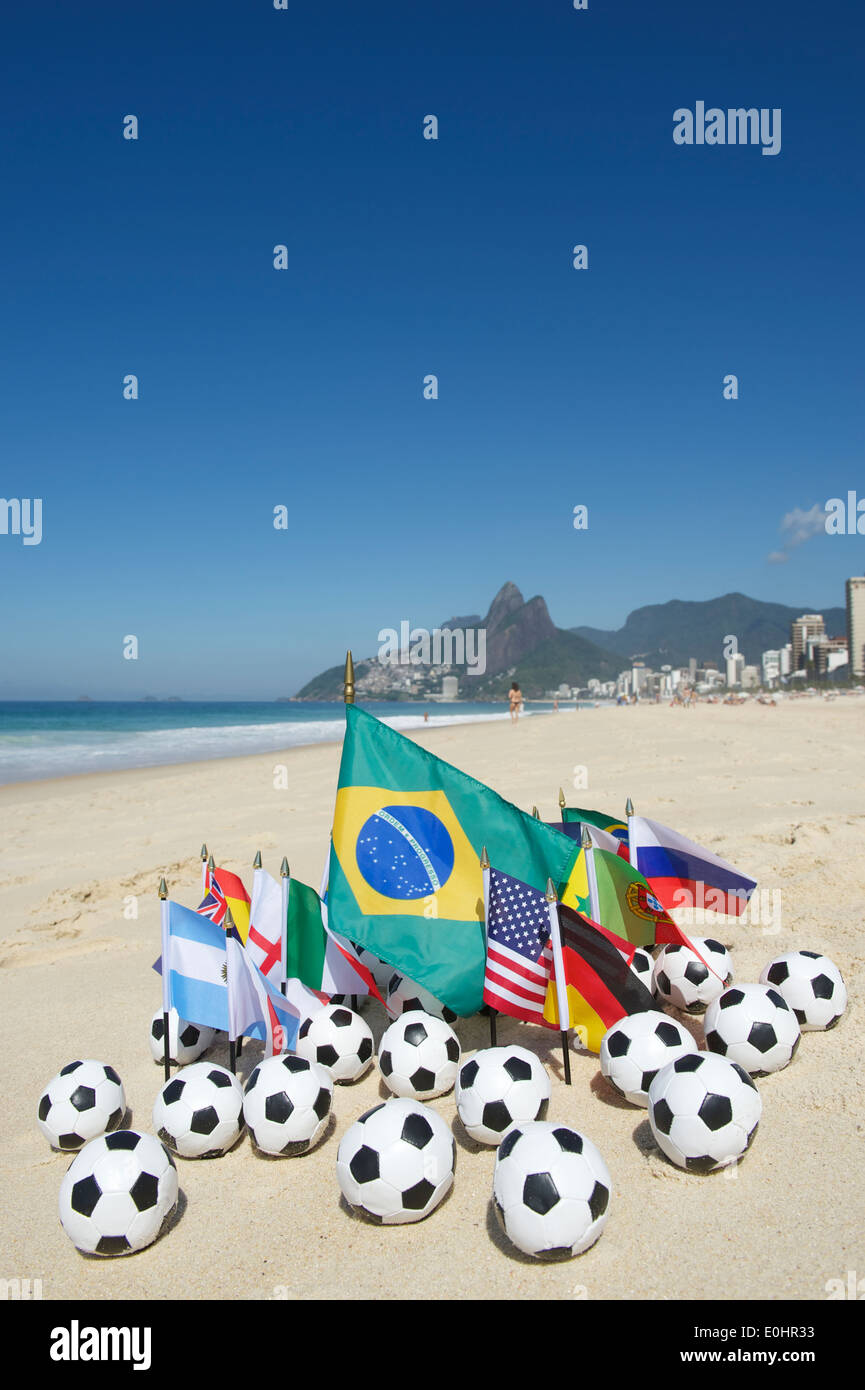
x=194, y=982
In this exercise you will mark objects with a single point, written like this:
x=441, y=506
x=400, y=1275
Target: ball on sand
x=396, y=1163
x=551, y=1190
x=704, y=1111
x=85, y=1099
x=118, y=1194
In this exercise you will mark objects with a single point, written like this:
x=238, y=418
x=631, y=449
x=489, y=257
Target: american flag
x=519, y=954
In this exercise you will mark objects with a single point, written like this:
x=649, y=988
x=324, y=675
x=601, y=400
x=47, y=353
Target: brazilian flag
x=619, y=828
x=405, y=876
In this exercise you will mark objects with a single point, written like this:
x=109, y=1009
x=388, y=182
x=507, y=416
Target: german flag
x=601, y=987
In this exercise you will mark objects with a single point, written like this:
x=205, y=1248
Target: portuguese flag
x=601, y=987
x=405, y=877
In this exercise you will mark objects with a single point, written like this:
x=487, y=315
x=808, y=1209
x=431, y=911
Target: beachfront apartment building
x=809, y=625
x=855, y=590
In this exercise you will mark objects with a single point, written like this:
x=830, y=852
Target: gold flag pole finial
x=585, y=839
x=256, y=863
x=551, y=894
x=562, y=802
x=228, y=920
x=348, y=680
x=485, y=858
x=284, y=870
x=629, y=807
x=536, y=813
x=204, y=854
x=163, y=890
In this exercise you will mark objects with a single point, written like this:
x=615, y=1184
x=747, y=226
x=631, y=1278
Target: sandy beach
x=777, y=791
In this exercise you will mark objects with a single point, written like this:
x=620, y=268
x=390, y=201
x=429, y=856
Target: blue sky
x=409, y=256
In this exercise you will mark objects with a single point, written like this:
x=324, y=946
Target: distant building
x=831, y=654
x=809, y=625
x=450, y=687
x=786, y=656
x=735, y=667
x=692, y=669
x=771, y=663
x=856, y=625
x=750, y=677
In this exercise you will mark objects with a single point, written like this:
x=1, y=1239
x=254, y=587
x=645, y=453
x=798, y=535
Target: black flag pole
x=163, y=912
x=485, y=875
x=561, y=986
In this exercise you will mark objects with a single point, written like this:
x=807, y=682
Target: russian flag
x=682, y=874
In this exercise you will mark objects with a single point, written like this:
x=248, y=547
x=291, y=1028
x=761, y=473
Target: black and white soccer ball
x=404, y=995
x=396, y=1163
x=551, y=1190
x=418, y=1056
x=754, y=1026
x=704, y=1111
x=339, y=1040
x=643, y=966
x=286, y=1104
x=635, y=1049
x=186, y=1041
x=118, y=1194
x=85, y=1099
x=812, y=985
x=683, y=980
x=199, y=1112
x=498, y=1087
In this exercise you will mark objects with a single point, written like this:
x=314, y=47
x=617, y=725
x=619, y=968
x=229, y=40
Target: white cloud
x=801, y=525
x=798, y=526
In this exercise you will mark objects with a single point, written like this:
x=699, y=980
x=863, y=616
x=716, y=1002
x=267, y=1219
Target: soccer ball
x=681, y=978
x=199, y=1113
x=551, y=1190
x=83, y=1100
x=418, y=1056
x=704, y=1111
x=635, y=1049
x=118, y=1193
x=286, y=1104
x=186, y=1041
x=396, y=1163
x=498, y=1086
x=403, y=995
x=811, y=984
x=754, y=1026
x=339, y=1040
x=643, y=967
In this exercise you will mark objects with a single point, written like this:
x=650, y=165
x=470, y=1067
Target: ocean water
x=44, y=738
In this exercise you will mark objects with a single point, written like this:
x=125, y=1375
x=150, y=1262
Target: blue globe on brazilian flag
x=405, y=877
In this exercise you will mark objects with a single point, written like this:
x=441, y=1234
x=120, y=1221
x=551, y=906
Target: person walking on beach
x=515, y=696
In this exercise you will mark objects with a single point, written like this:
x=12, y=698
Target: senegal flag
x=405, y=876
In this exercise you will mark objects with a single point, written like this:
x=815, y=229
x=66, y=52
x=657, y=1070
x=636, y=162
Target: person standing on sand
x=515, y=696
